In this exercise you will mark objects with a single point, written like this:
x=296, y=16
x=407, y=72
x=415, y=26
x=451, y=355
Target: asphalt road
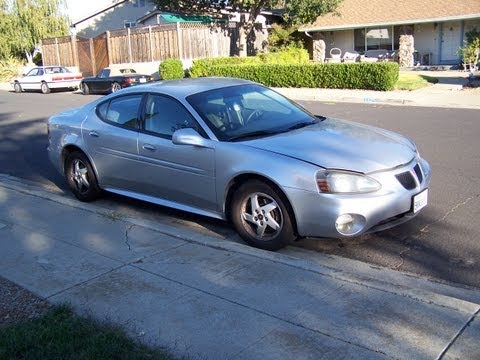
x=443, y=242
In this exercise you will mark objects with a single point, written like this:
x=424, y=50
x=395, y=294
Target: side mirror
x=189, y=136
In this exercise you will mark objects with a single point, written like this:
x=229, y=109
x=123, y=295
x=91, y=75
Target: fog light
x=349, y=224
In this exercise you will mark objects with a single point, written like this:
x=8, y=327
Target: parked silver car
x=236, y=150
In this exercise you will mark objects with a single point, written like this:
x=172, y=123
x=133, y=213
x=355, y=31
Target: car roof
x=185, y=87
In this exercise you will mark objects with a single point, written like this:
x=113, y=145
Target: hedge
x=370, y=76
x=201, y=67
x=171, y=69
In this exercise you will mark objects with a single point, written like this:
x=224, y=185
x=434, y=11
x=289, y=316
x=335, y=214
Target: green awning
x=186, y=18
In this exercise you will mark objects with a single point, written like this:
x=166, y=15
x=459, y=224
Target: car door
x=31, y=81
x=184, y=174
x=111, y=138
x=101, y=83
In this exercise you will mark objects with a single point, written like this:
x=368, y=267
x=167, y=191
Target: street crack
x=426, y=228
x=127, y=230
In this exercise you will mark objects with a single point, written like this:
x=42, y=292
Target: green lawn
x=60, y=334
x=412, y=81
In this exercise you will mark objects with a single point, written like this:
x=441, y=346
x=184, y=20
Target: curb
x=427, y=291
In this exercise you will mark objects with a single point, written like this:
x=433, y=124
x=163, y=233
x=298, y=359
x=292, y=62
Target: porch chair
x=350, y=56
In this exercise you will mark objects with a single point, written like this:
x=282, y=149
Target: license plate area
x=420, y=201
x=143, y=80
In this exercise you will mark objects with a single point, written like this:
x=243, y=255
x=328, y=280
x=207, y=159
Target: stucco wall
x=112, y=19
x=341, y=39
x=426, y=37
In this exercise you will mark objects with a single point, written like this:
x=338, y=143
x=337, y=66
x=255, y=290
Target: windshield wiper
x=300, y=125
x=251, y=135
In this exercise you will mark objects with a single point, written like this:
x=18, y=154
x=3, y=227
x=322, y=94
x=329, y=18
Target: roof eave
x=98, y=12
x=390, y=23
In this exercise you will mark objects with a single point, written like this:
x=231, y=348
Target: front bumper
x=317, y=213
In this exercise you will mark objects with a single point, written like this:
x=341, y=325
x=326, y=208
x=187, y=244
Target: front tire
x=81, y=178
x=261, y=217
x=17, y=87
x=45, y=89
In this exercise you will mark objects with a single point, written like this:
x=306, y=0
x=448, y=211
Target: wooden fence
x=185, y=41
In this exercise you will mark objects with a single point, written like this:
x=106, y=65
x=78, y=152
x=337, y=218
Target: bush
x=171, y=69
x=371, y=76
x=290, y=55
x=10, y=68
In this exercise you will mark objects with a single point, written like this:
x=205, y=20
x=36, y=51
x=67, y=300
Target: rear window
x=121, y=111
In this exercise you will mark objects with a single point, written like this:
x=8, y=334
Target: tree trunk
x=29, y=57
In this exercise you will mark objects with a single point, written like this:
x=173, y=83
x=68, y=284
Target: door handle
x=93, y=133
x=149, y=147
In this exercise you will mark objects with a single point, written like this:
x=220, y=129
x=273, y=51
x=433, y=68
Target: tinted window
x=122, y=111
x=164, y=116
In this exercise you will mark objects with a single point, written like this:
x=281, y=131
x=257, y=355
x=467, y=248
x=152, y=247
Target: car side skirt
x=167, y=203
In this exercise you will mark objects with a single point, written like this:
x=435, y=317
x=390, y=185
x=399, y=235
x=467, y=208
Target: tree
x=296, y=11
x=24, y=23
x=470, y=52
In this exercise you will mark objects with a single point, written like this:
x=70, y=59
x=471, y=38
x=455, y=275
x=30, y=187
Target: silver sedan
x=236, y=150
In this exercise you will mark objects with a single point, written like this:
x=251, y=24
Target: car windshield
x=247, y=111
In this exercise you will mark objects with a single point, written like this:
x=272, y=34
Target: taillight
x=130, y=80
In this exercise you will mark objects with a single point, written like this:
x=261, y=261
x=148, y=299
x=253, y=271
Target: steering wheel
x=255, y=113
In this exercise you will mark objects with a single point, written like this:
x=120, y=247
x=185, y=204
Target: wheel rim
x=17, y=87
x=262, y=216
x=44, y=88
x=80, y=176
x=85, y=88
x=115, y=87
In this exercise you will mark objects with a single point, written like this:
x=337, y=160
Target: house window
x=377, y=38
x=129, y=24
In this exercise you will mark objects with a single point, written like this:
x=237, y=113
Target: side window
x=121, y=111
x=164, y=116
x=33, y=72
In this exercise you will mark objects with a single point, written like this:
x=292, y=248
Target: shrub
x=371, y=76
x=9, y=68
x=290, y=55
x=171, y=69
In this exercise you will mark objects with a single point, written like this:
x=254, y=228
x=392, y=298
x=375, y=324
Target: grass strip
x=60, y=334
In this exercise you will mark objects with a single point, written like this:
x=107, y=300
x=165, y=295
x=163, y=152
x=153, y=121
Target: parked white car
x=45, y=78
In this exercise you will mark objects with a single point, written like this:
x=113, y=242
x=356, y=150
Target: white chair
x=350, y=56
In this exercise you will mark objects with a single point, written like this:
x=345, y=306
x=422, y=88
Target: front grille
x=418, y=172
x=407, y=180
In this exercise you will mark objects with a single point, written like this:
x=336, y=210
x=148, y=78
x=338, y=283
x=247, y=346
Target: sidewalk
x=204, y=297
x=448, y=92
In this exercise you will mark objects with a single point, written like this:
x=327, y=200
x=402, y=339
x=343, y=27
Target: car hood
x=340, y=144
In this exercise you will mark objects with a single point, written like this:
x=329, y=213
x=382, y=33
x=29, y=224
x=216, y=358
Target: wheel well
x=67, y=150
x=241, y=179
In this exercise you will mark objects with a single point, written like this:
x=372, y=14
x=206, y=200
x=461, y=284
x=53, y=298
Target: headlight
x=341, y=182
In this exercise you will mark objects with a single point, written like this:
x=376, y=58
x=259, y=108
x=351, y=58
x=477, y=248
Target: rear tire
x=261, y=217
x=45, y=89
x=85, y=89
x=81, y=178
x=17, y=87
x=115, y=87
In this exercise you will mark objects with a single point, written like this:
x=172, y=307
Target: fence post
x=179, y=41
x=129, y=42
x=150, y=42
x=73, y=42
x=92, y=57
x=107, y=33
x=57, y=51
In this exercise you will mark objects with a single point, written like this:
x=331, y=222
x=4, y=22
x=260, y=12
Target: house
x=118, y=14
x=438, y=27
